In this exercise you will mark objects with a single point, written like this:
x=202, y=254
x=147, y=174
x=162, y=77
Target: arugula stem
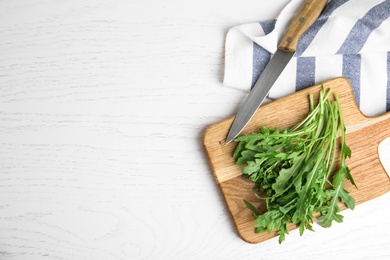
x=293, y=167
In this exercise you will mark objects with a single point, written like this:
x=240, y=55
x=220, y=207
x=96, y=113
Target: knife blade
x=306, y=16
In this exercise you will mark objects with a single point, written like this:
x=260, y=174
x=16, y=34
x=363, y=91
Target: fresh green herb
x=294, y=169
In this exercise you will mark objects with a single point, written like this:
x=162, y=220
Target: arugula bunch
x=294, y=169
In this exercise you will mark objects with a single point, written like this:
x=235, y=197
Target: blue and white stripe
x=351, y=38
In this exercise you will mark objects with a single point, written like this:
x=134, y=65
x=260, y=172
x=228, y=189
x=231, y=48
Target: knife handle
x=306, y=16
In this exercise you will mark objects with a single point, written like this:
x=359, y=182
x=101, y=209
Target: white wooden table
x=103, y=106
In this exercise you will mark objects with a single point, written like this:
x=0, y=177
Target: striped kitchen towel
x=351, y=38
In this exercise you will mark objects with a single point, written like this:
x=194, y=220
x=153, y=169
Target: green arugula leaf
x=285, y=175
x=330, y=215
x=250, y=206
x=293, y=168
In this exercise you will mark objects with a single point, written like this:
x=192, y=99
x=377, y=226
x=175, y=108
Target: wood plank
x=363, y=136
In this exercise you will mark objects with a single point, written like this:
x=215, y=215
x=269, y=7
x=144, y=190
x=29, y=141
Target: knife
x=306, y=16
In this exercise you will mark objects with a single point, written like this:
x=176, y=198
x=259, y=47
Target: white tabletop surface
x=103, y=107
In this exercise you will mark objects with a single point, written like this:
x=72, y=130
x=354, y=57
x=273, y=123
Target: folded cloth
x=351, y=38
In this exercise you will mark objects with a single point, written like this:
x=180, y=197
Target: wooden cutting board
x=363, y=137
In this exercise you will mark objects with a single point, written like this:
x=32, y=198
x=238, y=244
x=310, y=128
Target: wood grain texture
x=305, y=17
x=364, y=134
